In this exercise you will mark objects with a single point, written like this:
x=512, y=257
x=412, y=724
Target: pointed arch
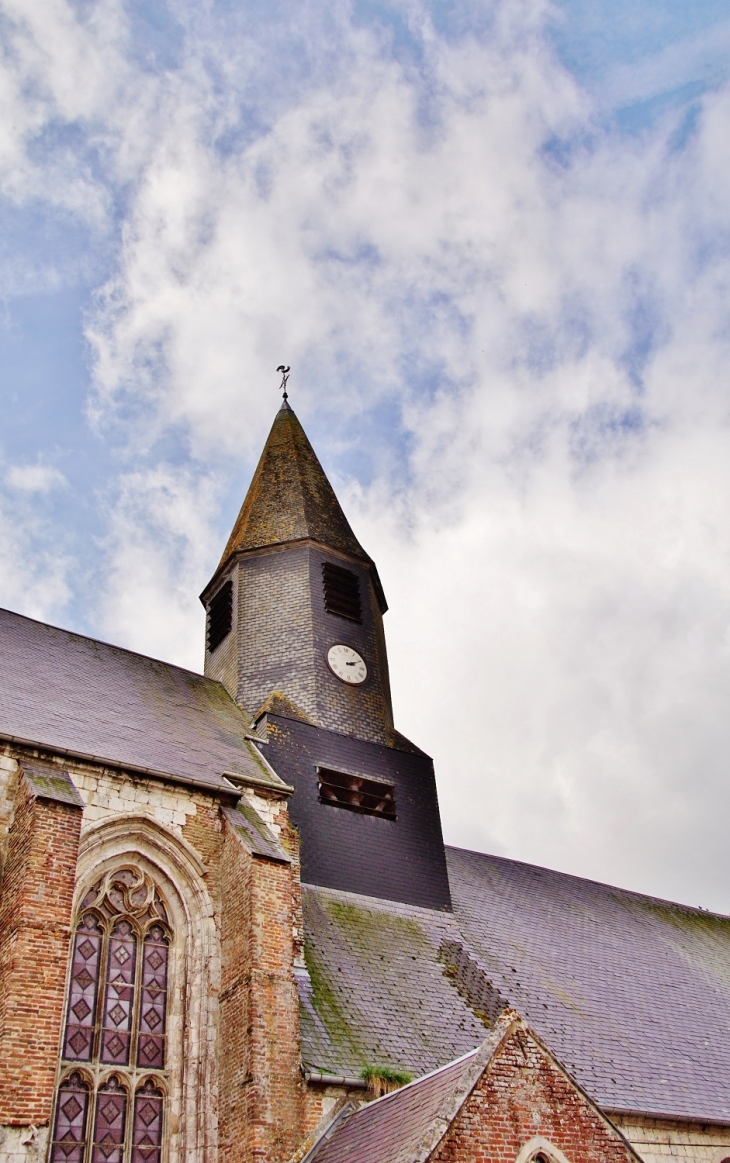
x=191, y=951
x=541, y=1147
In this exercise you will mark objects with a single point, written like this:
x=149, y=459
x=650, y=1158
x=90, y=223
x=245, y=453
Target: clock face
x=347, y=664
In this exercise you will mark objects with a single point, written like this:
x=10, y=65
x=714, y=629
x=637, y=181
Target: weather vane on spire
x=284, y=379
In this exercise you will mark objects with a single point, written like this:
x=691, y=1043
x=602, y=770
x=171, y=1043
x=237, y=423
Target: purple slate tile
x=393, y=1127
x=61, y=690
x=631, y=994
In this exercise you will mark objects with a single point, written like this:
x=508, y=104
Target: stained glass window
x=151, y=1045
x=116, y=1017
x=119, y=994
x=78, y=1043
x=147, y=1134
x=111, y=1116
x=69, y=1132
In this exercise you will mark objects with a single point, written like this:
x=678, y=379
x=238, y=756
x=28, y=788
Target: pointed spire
x=290, y=497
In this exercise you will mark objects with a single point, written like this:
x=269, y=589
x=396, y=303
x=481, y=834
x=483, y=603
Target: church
x=231, y=932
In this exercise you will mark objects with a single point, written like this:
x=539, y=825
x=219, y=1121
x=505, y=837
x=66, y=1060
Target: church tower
x=295, y=633
x=292, y=579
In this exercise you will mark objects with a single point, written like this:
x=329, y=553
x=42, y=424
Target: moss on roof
x=290, y=497
x=378, y=992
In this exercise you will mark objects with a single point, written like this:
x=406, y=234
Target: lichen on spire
x=290, y=498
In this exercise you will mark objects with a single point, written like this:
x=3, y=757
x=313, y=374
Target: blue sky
x=492, y=241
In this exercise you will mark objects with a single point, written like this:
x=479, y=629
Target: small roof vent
x=220, y=616
x=371, y=797
x=341, y=592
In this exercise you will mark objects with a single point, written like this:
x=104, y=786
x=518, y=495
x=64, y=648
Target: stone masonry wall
x=659, y=1140
x=364, y=711
x=523, y=1096
x=8, y=789
x=245, y=1044
x=35, y=915
x=282, y=633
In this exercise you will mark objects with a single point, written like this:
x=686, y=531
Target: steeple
x=294, y=581
x=295, y=633
x=290, y=498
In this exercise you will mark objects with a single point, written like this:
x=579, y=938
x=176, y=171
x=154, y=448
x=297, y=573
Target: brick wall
x=523, y=1094
x=35, y=916
x=261, y=1089
x=251, y=1027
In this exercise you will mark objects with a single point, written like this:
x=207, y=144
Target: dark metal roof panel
x=67, y=692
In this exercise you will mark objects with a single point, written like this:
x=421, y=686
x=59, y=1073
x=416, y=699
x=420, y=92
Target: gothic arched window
x=112, y=1087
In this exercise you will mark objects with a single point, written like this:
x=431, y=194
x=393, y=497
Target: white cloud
x=35, y=567
x=564, y=653
x=157, y=546
x=35, y=564
x=34, y=478
x=547, y=306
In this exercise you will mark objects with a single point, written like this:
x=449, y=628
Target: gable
x=507, y=1101
x=523, y=1106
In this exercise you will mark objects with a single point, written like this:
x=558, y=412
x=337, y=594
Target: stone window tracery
x=110, y=1105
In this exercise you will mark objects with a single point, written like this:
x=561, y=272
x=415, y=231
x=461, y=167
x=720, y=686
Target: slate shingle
x=290, y=497
x=75, y=694
x=631, y=994
x=394, y=1127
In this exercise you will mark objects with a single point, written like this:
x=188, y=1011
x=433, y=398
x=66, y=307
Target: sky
x=491, y=239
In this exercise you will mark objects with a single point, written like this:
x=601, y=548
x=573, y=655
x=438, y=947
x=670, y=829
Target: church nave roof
x=73, y=694
x=631, y=993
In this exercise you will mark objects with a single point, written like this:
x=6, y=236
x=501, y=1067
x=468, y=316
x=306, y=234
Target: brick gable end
x=523, y=1095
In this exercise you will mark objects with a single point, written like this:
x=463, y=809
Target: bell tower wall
x=281, y=632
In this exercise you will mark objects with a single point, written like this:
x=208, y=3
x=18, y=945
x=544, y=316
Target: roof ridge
x=421, y=1078
x=589, y=880
x=120, y=649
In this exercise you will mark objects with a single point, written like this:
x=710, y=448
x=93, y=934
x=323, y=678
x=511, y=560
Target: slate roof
x=290, y=497
x=631, y=994
x=401, y=1127
x=74, y=694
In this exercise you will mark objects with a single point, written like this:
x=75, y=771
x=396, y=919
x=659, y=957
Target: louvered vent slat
x=220, y=616
x=371, y=797
x=341, y=592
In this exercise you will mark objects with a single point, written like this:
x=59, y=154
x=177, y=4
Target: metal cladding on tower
x=295, y=633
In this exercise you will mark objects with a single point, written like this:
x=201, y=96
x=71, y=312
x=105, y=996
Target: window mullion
x=90, y=1119
x=101, y=992
x=134, y=1039
x=133, y=1042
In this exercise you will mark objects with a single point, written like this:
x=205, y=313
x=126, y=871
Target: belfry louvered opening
x=372, y=797
x=220, y=616
x=341, y=592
